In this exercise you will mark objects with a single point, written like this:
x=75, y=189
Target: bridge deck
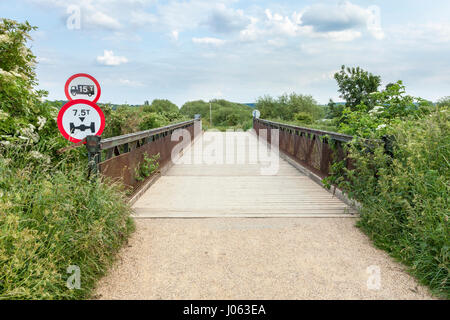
x=210, y=180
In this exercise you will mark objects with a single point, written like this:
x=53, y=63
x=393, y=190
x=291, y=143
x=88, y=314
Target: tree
x=285, y=107
x=356, y=85
x=24, y=118
x=161, y=105
x=334, y=110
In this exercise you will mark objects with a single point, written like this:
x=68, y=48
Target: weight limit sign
x=80, y=118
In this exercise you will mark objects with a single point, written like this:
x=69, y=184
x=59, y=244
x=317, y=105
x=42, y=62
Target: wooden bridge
x=213, y=188
x=272, y=171
x=302, y=247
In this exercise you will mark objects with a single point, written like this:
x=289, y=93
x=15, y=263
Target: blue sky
x=237, y=50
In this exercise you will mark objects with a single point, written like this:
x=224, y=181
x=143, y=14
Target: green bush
x=53, y=218
x=303, y=117
x=404, y=196
x=225, y=114
x=285, y=107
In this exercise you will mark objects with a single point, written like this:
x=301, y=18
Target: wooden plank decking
x=208, y=184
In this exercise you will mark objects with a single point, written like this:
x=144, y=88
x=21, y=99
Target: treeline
x=123, y=119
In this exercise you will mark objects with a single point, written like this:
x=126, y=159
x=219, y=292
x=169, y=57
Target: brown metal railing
x=118, y=157
x=310, y=147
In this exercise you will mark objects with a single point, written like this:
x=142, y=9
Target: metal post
x=93, y=149
x=210, y=114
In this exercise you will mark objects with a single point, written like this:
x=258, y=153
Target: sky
x=236, y=50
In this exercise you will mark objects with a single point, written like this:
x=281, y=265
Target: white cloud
x=175, y=34
x=431, y=32
x=130, y=83
x=103, y=20
x=207, y=40
x=341, y=36
x=109, y=59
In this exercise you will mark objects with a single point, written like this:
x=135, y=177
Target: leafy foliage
x=148, y=166
x=404, y=194
x=127, y=119
x=285, y=107
x=356, y=85
x=225, y=114
x=392, y=106
x=51, y=216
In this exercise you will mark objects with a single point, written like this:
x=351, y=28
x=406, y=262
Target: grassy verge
x=404, y=197
x=51, y=217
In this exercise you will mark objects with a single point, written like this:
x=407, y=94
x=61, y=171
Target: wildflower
x=40, y=156
x=28, y=133
x=4, y=73
x=376, y=109
x=3, y=115
x=4, y=38
x=381, y=126
x=5, y=143
x=41, y=122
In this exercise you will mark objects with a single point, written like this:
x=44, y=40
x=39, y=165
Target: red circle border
x=66, y=86
x=67, y=106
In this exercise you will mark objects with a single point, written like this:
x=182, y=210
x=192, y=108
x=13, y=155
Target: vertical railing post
x=93, y=149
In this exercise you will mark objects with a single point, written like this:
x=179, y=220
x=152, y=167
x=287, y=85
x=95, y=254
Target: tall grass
x=405, y=196
x=52, y=217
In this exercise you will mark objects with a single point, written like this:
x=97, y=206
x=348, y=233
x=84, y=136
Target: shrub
x=53, y=218
x=404, y=195
x=303, y=117
x=285, y=107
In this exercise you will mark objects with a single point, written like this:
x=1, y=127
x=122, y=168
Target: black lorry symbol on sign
x=82, y=89
x=82, y=127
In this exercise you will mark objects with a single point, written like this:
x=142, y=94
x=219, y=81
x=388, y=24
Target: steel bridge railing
x=310, y=147
x=119, y=157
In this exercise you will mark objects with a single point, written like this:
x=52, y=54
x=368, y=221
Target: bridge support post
x=93, y=149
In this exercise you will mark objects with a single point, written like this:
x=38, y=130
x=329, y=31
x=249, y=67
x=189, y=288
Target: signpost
x=256, y=114
x=80, y=120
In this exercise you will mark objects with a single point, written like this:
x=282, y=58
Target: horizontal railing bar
x=333, y=135
x=112, y=142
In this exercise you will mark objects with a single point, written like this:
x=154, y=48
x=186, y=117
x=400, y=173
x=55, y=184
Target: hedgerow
x=51, y=216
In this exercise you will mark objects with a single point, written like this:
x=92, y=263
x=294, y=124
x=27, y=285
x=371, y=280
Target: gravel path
x=239, y=258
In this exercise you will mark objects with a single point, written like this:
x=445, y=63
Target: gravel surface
x=236, y=258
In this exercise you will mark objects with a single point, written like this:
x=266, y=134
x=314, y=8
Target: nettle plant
x=391, y=106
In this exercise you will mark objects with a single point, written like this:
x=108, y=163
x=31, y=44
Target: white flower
x=3, y=115
x=28, y=133
x=5, y=143
x=4, y=38
x=376, y=109
x=41, y=122
x=38, y=155
x=5, y=73
x=381, y=126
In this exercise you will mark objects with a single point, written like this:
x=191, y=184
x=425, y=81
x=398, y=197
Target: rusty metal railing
x=118, y=157
x=310, y=147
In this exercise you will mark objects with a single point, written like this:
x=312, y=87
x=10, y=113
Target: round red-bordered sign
x=73, y=115
x=75, y=89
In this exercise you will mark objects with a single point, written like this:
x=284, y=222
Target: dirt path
x=234, y=258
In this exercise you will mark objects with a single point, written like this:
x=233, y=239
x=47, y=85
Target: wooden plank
x=236, y=190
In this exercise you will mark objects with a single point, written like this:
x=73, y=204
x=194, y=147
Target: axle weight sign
x=80, y=118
